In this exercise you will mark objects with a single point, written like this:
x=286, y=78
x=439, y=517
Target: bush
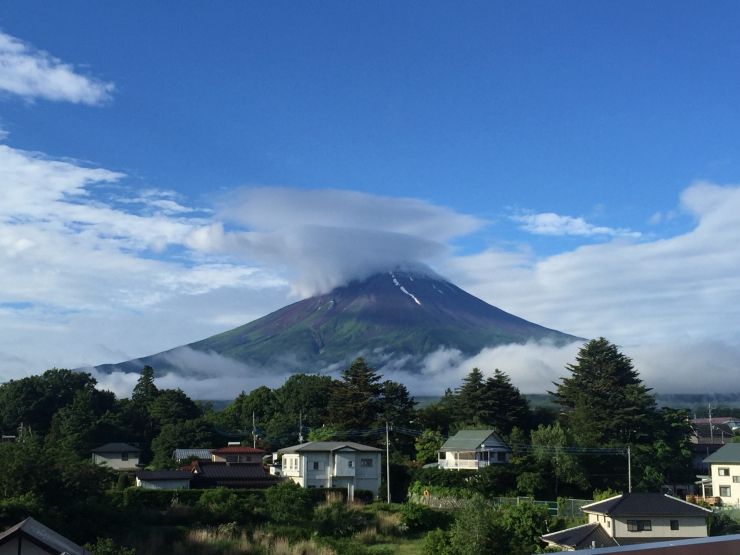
x=105, y=546
x=436, y=542
x=288, y=502
x=338, y=520
x=418, y=518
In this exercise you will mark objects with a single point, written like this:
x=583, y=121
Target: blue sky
x=574, y=163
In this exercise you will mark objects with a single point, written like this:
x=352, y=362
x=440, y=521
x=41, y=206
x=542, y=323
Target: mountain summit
x=392, y=317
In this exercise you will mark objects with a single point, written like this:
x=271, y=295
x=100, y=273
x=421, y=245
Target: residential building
x=182, y=455
x=211, y=474
x=30, y=537
x=237, y=454
x=473, y=449
x=633, y=518
x=333, y=464
x=164, y=479
x=724, y=475
x=118, y=456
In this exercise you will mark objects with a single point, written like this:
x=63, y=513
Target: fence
x=567, y=508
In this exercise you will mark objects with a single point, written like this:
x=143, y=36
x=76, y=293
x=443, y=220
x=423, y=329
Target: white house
x=333, y=464
x=118, y=456
x=473, y=449
x=724, y=467
x=632, y=518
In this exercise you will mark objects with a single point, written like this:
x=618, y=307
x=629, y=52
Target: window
x=124, y=456
x=723, y=471
x=736, y=479
x=316, y=465
x=608, y=523
x=639, y=525
x=674, y=525
x=350, y=464
x=366, y=463
x=724, y=491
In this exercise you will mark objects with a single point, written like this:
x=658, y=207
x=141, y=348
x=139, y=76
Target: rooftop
x=582, y=536
x=728, y=453
x=43, y=535
x=470, y=440
x=237, y=450
x=116, y=448
x=155, y=475
x=645, y=504
x=329, y=446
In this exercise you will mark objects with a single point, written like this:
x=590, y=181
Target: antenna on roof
x=300, y=426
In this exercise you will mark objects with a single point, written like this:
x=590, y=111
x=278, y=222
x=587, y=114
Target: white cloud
x=31, y=73
x=549, y=223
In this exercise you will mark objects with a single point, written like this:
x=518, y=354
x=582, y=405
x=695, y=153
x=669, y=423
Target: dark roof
x=328, y=446
x=182, y=454
x=729, y=453
x=43, y=535
x=237, y=450
x=229, y=471
x=150, y=476
x=677, y=545
x=470, y=440
x=582, y=536
x=116, y=448
x=645, y=504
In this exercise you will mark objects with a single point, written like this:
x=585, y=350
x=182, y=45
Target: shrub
x=288, y=502
x=339, y=520
x=436, y=542
x=105, y=546
x=418, y=518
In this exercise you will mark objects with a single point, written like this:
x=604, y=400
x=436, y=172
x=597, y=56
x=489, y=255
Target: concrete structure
x=30, y=537
x=632, y=518
x=118, y=456
x=473, y=449
x=164, y=479
x=724, y=476
x=333, y=464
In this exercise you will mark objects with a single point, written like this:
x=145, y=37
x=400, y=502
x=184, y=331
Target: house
x=633, y=518
x=333, y=464
x=182, y=455
x=213, y=474
x=30, y=537
x=473, y=449
x=163, y=479
x=717, y=545
x=118, y=456
x=725, y=474
x=237, y=454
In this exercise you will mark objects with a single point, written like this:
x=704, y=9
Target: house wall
x=114, y=460
x=606, y=521
x=26, y=548
x=322, y=470
x=241, y=458
x=689, y=527
x=163, y=484
x=726, y=481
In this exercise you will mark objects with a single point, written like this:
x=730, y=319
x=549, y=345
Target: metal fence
x=567, y=508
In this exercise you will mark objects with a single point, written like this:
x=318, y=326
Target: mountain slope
x=398, y=315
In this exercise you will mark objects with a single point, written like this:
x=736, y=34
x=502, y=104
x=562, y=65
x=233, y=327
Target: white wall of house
x=336, y=469
x=117, y=461
x=163, y=484
x=726, y=480
x=688, y=527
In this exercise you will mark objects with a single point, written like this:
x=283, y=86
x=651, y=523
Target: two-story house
x=473, y=449
x=724, y=467
x=333, y=464
x=632, y=518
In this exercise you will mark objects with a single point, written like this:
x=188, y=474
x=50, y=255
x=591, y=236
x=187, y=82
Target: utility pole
x=300, y=426
x=629, y=469
x=711, y=428
x=254, y=432
x=387, y=464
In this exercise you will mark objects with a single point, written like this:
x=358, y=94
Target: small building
x=724, y=476
x=211, y=474
x=30, y=537
x=333, y=464
x=237, y=454
x=163, y=479
x=118, y=456
x=633, y=518
x=182, y=455
x=472, y=450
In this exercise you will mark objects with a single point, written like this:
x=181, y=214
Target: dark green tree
x=470, y=399
x=145, y=391
x=549, y=450
x=427, y=446
x=355, y=401
x=502, y=405
x=187, y=434
x=171, y=406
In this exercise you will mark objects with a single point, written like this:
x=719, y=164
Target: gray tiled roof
x=116, y=448
x=470, y=440
x=45, y=536
x=645, y=504
x=182, y=454
x=154, y=475
x=586, y=535
x=323, y=446
x=729, y=453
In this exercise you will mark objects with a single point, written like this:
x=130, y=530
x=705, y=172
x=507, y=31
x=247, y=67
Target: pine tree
x=503, y=406
x=145, y=391
x=604, y=399
x=470, y=399
x=355, y=400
